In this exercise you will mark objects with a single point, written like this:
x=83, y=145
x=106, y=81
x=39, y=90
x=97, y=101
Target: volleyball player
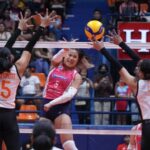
x=62, y=84
x=10, y=74
x=141, y=88
x=43, y=136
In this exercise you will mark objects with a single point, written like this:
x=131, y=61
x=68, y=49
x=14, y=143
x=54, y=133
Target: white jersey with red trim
x=9, y=82
x=58, y=81
x=143, y=97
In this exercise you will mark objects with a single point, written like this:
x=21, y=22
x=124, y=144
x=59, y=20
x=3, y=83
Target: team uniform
x=9, y=131
x=143, y=98
x=58, y=80
x=138, y=138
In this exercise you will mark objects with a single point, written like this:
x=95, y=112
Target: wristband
x=34, y=39
x=13, y=38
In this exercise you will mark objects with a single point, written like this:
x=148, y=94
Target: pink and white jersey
x=9, y=82
x=143, y=97
x=138, y=137
x=58, y=81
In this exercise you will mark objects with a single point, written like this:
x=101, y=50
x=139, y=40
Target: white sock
x=69, y=145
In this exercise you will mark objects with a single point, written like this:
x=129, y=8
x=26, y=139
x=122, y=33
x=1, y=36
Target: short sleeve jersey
x=9, y=82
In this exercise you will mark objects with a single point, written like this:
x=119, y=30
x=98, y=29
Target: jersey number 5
x=5, y=90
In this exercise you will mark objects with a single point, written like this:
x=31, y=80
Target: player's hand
x=98, y=45
x=48, y=18
x=47, y=106
x=114, y=37
x=23, y=22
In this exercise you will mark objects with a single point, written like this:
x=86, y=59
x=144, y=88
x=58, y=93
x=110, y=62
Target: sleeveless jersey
x=143, y=97
x=138, y=137
x=58, y=81
x=9, y=82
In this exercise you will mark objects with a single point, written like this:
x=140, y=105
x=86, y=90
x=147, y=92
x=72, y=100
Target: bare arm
x=23, y=62
x=57, y=58
x=128, y=79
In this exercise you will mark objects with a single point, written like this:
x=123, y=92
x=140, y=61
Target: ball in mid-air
x=94, y=29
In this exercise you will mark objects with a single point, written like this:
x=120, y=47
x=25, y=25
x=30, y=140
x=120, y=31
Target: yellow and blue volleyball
x=94, y=29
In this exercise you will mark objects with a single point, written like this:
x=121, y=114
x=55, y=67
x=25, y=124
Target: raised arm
x=116, y=39
x=21, y=27
x=125, y=75
x=58, y=57
x=23, y=62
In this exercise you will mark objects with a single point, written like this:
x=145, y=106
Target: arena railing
x=92, y=111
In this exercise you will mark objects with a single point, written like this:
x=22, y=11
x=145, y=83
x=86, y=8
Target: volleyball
x=94, y=29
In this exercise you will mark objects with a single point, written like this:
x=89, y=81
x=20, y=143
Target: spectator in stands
x=103, y=86
x=97, y=15
x=4, y=35
x=43, y=136
x=135, y=140
x=81, y=104
x=30, y=86
x=3, y=6
x=58, y=6
x=35, y=6
x=124, y=145
x=56, y=27
x=14, y=11
x=144, y=11
x=122, y=91
x=128, y=10
x=9, y=23
x=41, y=62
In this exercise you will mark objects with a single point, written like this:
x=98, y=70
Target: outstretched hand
x=23, y=22
x=114, y=37
x=98, y=45
x=48, y=18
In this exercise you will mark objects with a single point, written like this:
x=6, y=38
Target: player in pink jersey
x=135, y=140
x=10, y=74
x=62, y=84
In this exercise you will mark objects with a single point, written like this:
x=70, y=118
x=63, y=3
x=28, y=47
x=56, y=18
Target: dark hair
x=5, y=60
x=81, y=54
x=145, y=68
x=42, y=142
x=43, y=135
x=97, y=10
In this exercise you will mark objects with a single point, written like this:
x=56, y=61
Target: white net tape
x=81, y=45
x=89, y=132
